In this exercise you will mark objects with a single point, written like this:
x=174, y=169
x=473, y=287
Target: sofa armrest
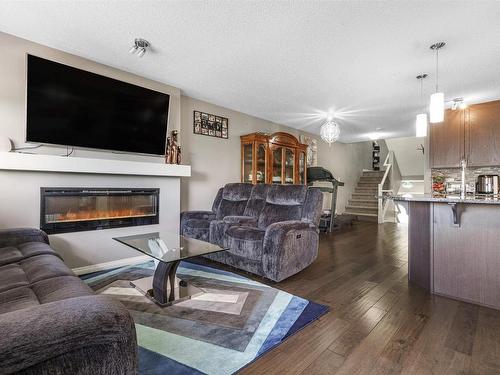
x=201, y=215
x=206, y=215
x=289, y=247
x=34, y=335
x=16, y=236
x=241, y=220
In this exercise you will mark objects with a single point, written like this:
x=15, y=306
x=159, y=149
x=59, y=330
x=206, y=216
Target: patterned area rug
x=229, y=326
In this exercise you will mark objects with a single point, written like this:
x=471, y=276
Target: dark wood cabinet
x=447, y=140
x=277, y=158
x=483, y=134
x=472, y=134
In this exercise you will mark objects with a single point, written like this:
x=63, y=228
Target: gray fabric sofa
x=53, y=323
x=273, y=233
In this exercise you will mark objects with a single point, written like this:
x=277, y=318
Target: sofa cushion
x=313, y=206
x=12, y=276
x=32, y=270
x=273, y=213
x=44, y=267
x=257, y=200
x=11, y=254
x=218, y=228
x=45, y=291
x=237, y=192
x=16, y=299
x=234, y=200
x=60, y=288
x=288, y=195
x=245, y=241
x=283, y=202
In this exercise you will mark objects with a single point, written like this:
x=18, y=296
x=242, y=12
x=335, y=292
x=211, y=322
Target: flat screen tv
x=72, y=107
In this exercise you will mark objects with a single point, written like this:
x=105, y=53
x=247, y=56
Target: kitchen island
x=454, y=246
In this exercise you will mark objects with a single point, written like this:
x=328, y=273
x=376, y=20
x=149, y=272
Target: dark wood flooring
x=378, y=323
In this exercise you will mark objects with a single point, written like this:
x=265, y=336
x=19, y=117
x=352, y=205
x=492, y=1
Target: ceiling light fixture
x=458, y=103
x=330, y=130
x=140, y=46
x=436, y=107
x=421, y=121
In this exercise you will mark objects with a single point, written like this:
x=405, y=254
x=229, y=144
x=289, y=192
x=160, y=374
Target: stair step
x=373, y=192
x=357, y=195
x=363, y=202
x=375, y=180
x=354, y=213
x=373, y=174
x=368, y=184
x=364, y=209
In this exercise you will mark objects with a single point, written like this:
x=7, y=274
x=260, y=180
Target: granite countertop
x=446, y=199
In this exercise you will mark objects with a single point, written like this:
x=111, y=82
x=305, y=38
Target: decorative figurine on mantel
x=173, y=150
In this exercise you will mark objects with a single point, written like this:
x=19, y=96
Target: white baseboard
x=109, y=265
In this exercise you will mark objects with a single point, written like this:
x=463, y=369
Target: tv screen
x=72, y=107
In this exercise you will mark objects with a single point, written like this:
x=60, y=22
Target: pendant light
x=436, y=107
x=330, y=130
x=421, y=121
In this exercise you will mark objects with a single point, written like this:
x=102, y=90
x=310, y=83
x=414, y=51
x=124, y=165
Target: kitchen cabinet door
x=482, y=134
x=447, y=140
x=457, y=256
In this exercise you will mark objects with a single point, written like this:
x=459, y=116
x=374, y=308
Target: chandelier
x=330, y=130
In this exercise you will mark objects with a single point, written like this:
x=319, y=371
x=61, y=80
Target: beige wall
x=411, y=161
x=216, y=161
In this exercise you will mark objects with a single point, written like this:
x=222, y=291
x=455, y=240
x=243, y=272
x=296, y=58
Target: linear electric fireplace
x=65, y=210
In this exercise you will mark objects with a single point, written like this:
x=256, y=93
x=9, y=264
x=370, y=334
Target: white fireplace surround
x=22, y=176
x=54, y=163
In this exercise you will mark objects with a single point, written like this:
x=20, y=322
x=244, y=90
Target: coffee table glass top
x=168, y=247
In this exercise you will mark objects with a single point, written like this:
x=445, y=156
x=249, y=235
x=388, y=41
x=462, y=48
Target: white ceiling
x=286, y=61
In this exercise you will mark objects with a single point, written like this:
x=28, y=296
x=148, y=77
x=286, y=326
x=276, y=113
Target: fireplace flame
x=85, y=215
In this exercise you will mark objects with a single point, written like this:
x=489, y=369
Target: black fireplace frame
x=98, y=224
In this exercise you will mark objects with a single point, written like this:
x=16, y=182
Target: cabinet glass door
x=277, y=165
x=261, y=164
x=289, y=166
x=247, y=162
x=302, y=168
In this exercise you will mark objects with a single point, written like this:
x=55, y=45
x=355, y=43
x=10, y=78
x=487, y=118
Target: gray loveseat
x=269, y=230
x=50, y=321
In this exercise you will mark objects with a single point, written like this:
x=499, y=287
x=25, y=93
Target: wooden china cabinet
x=277, y=158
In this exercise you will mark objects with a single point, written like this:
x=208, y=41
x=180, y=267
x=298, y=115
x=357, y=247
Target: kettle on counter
x=487, y=184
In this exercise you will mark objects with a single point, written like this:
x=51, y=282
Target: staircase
x=364, y=202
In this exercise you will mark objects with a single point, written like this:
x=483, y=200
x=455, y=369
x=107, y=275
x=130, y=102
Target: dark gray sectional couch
x=53, y=323
x=269, y=230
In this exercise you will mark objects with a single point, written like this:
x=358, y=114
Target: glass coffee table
x=167, y=249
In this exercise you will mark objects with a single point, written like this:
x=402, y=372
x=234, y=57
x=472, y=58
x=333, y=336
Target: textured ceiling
x=286, y=61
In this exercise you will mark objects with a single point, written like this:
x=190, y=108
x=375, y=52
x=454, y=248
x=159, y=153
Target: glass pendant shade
x=330, y=131
x=421, y=125
x=436, y=108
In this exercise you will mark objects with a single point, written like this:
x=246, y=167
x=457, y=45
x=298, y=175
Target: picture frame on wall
x=210, y=125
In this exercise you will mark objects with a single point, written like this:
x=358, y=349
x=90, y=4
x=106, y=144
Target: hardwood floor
x=378, y=324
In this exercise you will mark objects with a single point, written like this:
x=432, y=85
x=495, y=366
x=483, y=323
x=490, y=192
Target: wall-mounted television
x=76, y=108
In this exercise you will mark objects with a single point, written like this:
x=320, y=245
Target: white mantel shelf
x=14, y=161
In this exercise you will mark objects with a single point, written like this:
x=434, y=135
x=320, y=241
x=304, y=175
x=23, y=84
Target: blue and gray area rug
x=223, y=330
